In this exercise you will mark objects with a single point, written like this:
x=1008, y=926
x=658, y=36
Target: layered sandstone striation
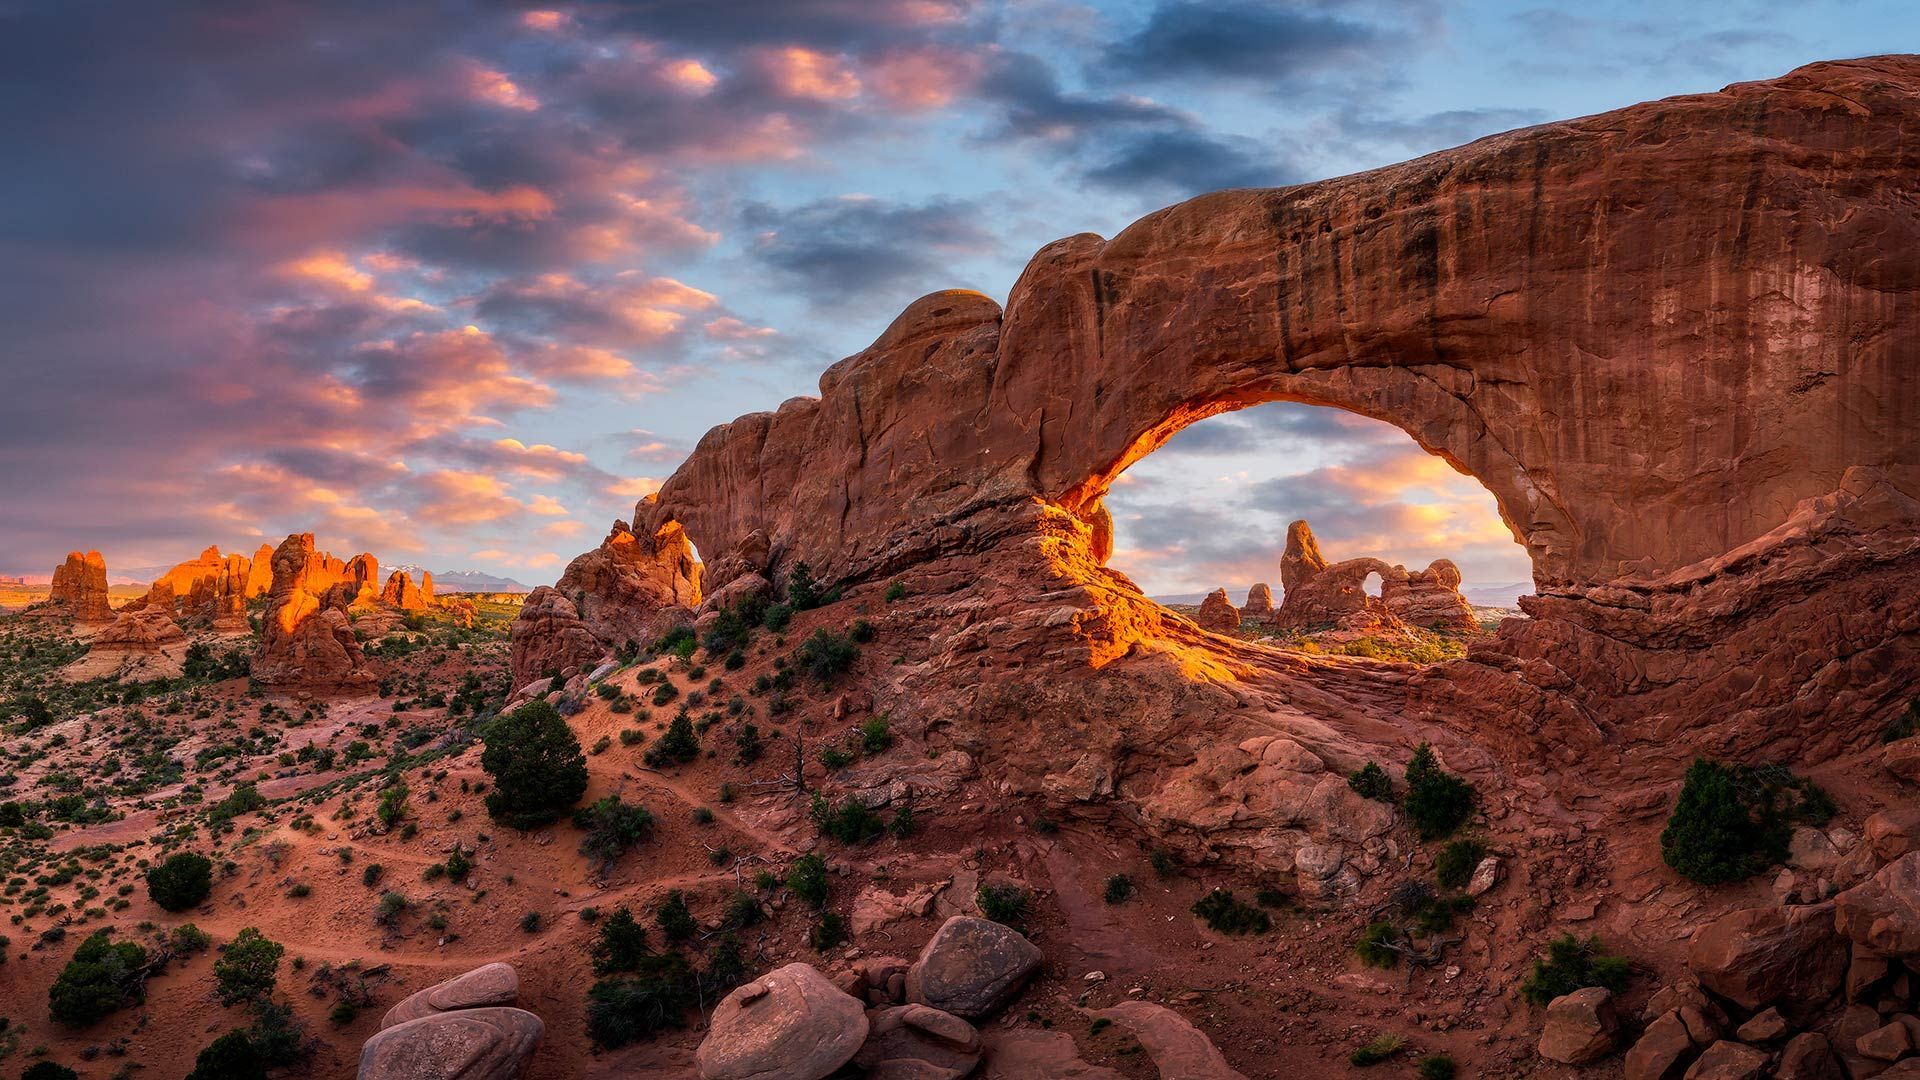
x=78, y=591
x=633, y=588
x=307, y=638
x=139, y=645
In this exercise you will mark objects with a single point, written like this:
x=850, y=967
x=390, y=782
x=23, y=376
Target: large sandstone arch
x=1679, y=343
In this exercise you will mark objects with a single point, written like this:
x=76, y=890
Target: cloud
x=853, y=245
x=1262, y=41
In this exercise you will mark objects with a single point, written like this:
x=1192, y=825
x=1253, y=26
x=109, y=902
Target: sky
x=457, y=281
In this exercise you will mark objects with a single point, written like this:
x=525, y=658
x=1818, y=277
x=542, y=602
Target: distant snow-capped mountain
x=452, y=581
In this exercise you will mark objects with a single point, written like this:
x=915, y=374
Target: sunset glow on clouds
x=456, y=283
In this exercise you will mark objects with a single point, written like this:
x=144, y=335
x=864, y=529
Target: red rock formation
x=633, y=587
x=1761, y=353
x=1218, y=614
x=1259, y=605
x=140, y=645
x=402, y=593
x=363, y=576
x=260, y=572
x=79, y=590
x=212, y=588
x=426, y=587
x=307, y=638
x=1320, y=594
x=1429, y=598
x=1679, y=343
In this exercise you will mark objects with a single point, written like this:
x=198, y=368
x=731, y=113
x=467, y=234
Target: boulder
x=918, y=1042
x=1807, y=1057
x=971, y=967
x=1581, y=1027
x=1883, y=912
x=789, y=1024
x=1218, y=614
x=472, y=1044
x=1662, y=1051
x=1888, y=1042
x=1728, y=1060
x=1764, y=1026
x=1844, y=1038
x=1893, y=832
x=1178, y=1049
x=1762, y=955
x=1902, y=758
x=1026, y=1053
x=483, y=987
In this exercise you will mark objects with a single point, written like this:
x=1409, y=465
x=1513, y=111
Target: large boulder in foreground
x=972, y=967
x=1760, y=956
x=472, y=1044
x=916, y=1042
x=489, y=985
x=1178, y=1049
x=1581, y=1027
x=1883, y=912
x=789, y=1024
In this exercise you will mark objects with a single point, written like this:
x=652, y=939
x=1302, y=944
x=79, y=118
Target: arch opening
x=1366, y=542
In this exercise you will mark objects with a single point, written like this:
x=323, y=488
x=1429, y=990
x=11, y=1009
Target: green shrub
x=1436, y=1067
x=102, y=977
x=1572, y=963
x=1222, y=912
x=181, y=882
x=807, y=877
x=248, y=969
x=188, y=938
x=1370, y=781
x=680, y=745
x=875, y=736
x=230, y=1057
x=655, y=997
x=393, y=804
x=803, y=592
x=902, y=825
x=1005, y=904
x=850, y=823
x=530, y=922
x=1119, y=889
x=1438, y=802
x=1377, y=1050
x=829, y=930
x=1375, y=945
x=536, y=766
x=895, y=591
x=621, y=944
x=674, y=919
x=389, y=908
x=1454, y=866
x=826, y=656
x=611, y=828
x=47, y=1070
x=1732, y=821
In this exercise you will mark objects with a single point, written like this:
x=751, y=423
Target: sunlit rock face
x=1693, y=403
x=307, y=639
x=634, y=587
x=78, y=591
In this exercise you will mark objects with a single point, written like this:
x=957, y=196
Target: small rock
x=1765, y=1026
x=1485, y=876
x=1726, y=1060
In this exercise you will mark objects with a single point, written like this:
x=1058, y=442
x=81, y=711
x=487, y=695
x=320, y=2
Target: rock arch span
x=1679, y=343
